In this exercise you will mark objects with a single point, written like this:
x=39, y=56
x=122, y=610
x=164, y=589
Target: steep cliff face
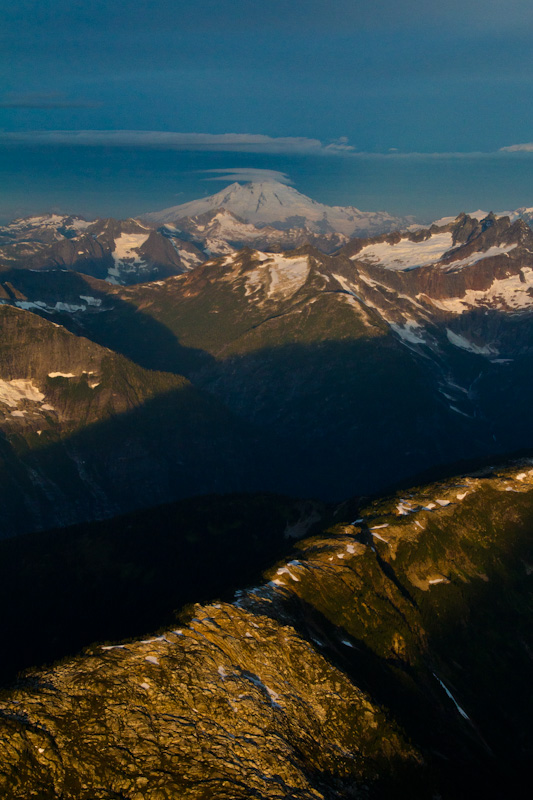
x=85, y=433
x=119, y=251
x=388, y=657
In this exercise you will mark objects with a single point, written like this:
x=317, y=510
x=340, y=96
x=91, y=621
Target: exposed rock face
x=120, y=251
x=87, y=433
x=346, y=372
x=375, y=663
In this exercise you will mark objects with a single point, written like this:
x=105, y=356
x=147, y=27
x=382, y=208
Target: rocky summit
x=387, y=656
x=336, y=374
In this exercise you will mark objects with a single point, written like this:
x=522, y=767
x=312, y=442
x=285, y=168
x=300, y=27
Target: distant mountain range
x=335, y=374
x=119, y=251
x=267, y=216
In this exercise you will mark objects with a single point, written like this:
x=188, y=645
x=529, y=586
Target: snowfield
x=280, y=277
x=406, y=254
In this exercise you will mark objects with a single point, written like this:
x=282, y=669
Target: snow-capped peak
x=271, y=203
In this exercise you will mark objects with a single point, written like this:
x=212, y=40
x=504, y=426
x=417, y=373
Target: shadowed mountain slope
x=86, y=434
x=353, y=371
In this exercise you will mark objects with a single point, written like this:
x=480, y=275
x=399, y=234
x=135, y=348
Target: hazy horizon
x=128, y=181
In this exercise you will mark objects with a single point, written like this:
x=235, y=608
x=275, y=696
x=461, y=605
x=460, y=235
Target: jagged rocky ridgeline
x=335, y=375
x=389, y=656
x=119, y=251
x=267, y=216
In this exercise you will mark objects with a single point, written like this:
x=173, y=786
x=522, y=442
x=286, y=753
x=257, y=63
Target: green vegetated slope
x=389, y=656
x=87, y=433
x=340, y=376
x=315, y=369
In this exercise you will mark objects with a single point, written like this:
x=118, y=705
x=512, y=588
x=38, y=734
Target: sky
x=121, y=107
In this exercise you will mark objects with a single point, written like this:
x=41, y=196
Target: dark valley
x=267, y=507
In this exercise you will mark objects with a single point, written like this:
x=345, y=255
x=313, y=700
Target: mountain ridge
x=308, y=348
x=372, y=662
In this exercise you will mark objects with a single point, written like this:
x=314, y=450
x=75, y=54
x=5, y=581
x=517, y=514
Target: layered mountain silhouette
x=341, y=374
x=182, y=402
x=266, y=215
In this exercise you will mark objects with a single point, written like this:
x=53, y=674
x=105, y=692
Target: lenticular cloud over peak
x=247, y=174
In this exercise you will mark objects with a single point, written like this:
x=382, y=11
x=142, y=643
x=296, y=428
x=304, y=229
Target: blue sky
x=387, y=78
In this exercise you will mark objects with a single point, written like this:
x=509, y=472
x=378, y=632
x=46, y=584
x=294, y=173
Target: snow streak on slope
x=514, y=293
x=14, y=392
x=465, y=344
x=496, y=250
x=278, y=276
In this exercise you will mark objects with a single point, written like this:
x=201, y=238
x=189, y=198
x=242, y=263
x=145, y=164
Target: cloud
x=42, y=100
x=517, y=148
x=232, y=142
x=247, y=174
x=170, y=140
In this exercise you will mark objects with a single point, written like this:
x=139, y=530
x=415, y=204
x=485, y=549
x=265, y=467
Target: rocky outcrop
x=85, y=433
x=374, y=663
x=120, y=251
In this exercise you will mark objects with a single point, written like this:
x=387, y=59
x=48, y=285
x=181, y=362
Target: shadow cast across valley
x=180, y=443
x=330, y=418
x=362, y=416
x=63, y=589
x=90, y=307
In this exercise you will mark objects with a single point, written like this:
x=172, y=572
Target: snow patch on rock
x=14, y=392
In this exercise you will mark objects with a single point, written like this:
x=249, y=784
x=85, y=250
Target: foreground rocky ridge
x=389, y=657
